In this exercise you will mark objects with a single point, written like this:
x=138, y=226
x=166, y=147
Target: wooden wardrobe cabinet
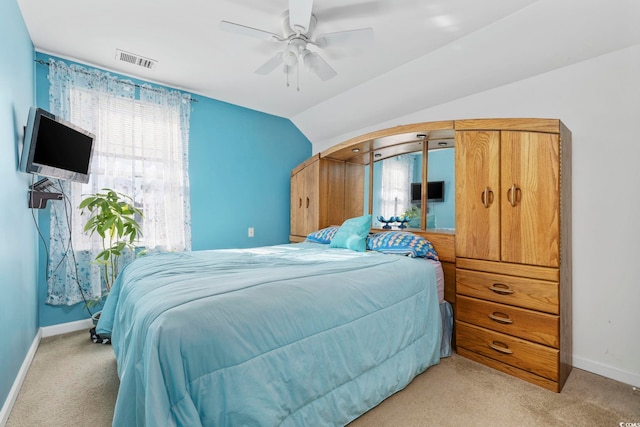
x=513, y=264
x=318, y=195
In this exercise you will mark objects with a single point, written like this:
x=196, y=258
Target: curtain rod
x=41, y=62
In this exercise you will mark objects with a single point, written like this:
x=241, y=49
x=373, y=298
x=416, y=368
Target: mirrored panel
x=393, y=192
x=397, y=191
x=441, y=209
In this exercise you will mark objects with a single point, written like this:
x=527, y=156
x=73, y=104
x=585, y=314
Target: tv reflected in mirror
x=435, y=191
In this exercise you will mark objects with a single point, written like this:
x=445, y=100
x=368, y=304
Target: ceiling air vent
x=134, y=59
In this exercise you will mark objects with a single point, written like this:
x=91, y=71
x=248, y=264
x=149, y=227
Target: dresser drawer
x=531, y=325
x=519, y=291
x=525, y=355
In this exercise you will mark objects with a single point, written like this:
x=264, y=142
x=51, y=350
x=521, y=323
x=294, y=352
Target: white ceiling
x=425, y=52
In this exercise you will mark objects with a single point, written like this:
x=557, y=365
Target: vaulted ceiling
x=424, y=52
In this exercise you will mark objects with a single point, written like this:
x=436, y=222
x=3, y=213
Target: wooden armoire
x=508, y=266
x=318, y=197
x=513, y=260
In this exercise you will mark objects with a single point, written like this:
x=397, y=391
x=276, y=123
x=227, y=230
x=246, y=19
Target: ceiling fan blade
x=300, y=15
x=270, y=65
x=343, y=38
x=248, y=31
x=315, y=63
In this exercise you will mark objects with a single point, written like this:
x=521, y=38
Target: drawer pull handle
x=500, y=347
x=501, y=289
x=500, y=318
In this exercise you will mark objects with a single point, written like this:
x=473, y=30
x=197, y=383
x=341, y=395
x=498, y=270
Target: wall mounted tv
x=435, y=191
x=56, y=148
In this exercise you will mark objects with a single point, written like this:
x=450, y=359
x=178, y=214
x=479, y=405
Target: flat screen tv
x=435, y=191
x=56, y=148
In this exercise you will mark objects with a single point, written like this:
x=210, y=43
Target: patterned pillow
x=402, y=243
x=323, y=236
x=352, y=234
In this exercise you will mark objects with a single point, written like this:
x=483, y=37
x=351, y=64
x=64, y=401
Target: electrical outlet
x=251, y=232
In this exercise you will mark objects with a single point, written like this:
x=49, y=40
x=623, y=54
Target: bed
x=294, y=334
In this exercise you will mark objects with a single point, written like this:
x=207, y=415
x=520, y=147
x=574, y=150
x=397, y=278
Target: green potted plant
x=112, y=216
x=413, y=215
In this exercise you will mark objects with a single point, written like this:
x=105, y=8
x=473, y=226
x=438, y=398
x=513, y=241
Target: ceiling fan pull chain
x=298, y=77
x=287, y=75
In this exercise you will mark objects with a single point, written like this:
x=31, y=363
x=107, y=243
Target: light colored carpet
x=73, y=382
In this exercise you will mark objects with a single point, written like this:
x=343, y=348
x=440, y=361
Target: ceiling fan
x=298, y=25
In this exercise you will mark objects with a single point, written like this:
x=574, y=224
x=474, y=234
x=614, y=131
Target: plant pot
x=95, y=317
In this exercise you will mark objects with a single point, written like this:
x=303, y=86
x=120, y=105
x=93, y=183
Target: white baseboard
x=607, y=371
x=43, y=332
x=49, y=331
x=17, y=384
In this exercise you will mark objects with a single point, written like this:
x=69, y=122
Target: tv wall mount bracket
x=38, y=194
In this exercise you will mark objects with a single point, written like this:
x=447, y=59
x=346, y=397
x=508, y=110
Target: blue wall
x=240, y=162
x=18, y=239
x=240, y=171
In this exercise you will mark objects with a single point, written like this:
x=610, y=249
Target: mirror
x=392, y=189
x=397, y=190
x=442, y=204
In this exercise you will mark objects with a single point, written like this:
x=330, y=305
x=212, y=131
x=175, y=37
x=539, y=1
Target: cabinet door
x=530, y=198
x=478, y=194
x=311, y=199
x=297, y=206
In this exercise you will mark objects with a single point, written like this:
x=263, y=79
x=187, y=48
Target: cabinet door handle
x=307, y=202
x=487, y=197
x=514, y=195
x=500, y=347
x=500, y=318
x=501, y=289
x=300, y=202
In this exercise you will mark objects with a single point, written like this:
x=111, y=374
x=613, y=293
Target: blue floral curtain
x=141, y=150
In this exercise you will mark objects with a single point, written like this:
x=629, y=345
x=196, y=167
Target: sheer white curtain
x=140, y=150
x=395, y=195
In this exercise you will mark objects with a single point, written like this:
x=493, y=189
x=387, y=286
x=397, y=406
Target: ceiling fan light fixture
x=290, y=57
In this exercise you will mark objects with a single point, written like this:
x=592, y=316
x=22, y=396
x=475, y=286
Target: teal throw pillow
x=352, y=234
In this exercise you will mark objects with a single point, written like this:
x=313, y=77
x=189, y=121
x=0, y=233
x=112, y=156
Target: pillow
x=323, y=236
x=352, y=234
x=402, y=243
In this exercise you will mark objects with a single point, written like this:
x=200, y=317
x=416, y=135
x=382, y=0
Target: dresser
x=513, y=242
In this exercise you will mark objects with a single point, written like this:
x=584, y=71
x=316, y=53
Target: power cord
x=67, y=205
x=44, y=242
x=68, y=249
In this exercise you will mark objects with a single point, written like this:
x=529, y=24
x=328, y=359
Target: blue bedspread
x=291, y=335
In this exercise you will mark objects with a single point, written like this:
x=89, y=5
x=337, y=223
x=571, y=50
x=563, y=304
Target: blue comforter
x=293, y=335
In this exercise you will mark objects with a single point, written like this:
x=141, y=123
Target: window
x=139, y=153
x=141, y=148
